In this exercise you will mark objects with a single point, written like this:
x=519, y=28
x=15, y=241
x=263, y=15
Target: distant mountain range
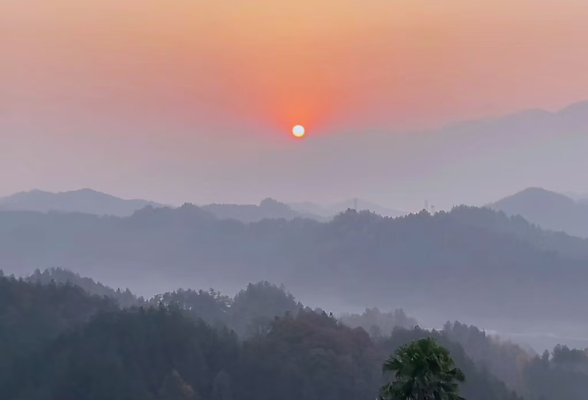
x=88, y=201
x=85, y=201
x=466, y=162
x=267, y=209
x=342, y=206
x=548, y=210
x=471, y=263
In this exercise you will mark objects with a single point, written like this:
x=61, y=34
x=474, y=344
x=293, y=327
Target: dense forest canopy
x=65, y=336
x=421, y=370
x=60, y=342
x=497, y=269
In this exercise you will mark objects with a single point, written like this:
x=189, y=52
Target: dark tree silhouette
x=423, y=370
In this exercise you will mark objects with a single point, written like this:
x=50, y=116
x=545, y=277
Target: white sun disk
x=298, y=131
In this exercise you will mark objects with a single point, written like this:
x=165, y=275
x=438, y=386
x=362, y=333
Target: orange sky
x=391, y=62
x=248, y=70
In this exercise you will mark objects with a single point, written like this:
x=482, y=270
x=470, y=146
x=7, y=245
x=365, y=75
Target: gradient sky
x=193, y=100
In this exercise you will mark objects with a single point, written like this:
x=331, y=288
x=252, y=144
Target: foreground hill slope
x=95, y=352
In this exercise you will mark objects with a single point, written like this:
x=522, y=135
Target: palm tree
x=422, y=370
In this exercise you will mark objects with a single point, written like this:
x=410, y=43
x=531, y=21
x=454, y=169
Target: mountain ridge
x=87, y=201
x=331, y=210
x=550, y=210
x=409, y=260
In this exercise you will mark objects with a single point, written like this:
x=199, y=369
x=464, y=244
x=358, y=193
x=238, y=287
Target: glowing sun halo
x=298, y=131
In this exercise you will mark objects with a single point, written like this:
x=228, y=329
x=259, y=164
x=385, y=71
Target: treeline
x=515, y=225
x=60, y=343
x=247, y=313
x=67, y=345
x=563, y=374
x=378, y=323
x=32, y=314
x=124, y=298
x=450, y=264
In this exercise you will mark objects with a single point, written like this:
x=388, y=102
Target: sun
x=298, y=131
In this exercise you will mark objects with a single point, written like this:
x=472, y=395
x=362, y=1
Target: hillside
x=63, y=342
x=59, y=276
x=331, y=210
x=33, y=315
x=547, y=209
x=358, y=259
x=267, y=209
x=86, y=201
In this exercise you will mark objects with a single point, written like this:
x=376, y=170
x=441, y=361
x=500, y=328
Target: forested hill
x=60, y=343
x=267, y=209
x=60, y=276
x=548, y=209
x=469, y=263
x=559, y=242
x=81, y=201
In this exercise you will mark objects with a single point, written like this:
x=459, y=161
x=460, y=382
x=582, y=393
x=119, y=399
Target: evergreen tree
x=423, y=370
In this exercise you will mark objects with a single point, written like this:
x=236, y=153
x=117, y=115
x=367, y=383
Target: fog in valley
x=501, y=286
x=293, y=200
x=500, y=283
x=512, y=268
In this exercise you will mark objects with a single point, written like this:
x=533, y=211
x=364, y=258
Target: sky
x=193, y=101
